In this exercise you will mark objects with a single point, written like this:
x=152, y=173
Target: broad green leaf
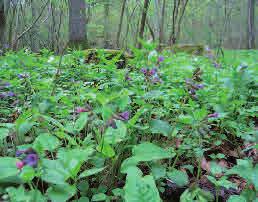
x=113, y=136
x=27, y=173
x=91, y=172
x=245, y=169
x=106, y=113
x=146, y=152
x=18, y=194
x=54, y=172
x=161, y=127
x=236, y=198
x=47, y=142
x=158, y=171
x=136, y=117
x=25, y=127
x=4, y=132
x=196, y=194
x=72, y=159
x=8, y=167
x=81, y=122
x=138, y=188
x=106, y=149
x=180, y=178
x=99, y=197
x=84, y=199
x=58, y=193
x=36, y=196
x=185, y=119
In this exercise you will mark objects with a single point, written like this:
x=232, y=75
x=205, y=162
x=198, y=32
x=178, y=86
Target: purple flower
x=153, y=71
x=2, y=95
x=156, y=80
x=214, y=115
x=10, y=94
x=124, y=116
x=144, y=71
x=199, y=86
x=7, y=84
x=23, y=76
x=20, y=152
x=161, y=59
x=127, y=77
x=31, y=160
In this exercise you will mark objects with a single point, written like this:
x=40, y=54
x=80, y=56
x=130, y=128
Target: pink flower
x=19, y=165
x=79, y=110
x=214, y=115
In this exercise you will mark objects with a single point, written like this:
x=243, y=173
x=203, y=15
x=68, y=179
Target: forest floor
x=165, y=127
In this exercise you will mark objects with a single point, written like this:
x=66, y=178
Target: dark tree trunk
x=120, y=23
x=143, y=20
x=2, y=24
x=106, y=25
x=161, y=30
x=251, y=28
x=77, y=23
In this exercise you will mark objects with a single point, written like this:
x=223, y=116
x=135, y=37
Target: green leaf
x=185, y=119
x=160, y=127
x=113, y=136
x=179, y=177
x=158, y=171
x=24, y=128
x=8, y=167
x=106, y=149
x=99, y=197
x=58, y=193
x=27, y=174
x=83, y=199
x=72, y=159
x=54, y=172
x=17, y=194
x=236, y=198
x=146, y=152
x=138, y=188
x=4, y=132
x=47, y=142
x=245, y=169
x=81, y=122
x=90, y=172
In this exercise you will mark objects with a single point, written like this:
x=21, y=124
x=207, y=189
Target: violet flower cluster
x=7, y=94
x=123, y=116
x=27, y=157
x=193, y=88
x=151, y=75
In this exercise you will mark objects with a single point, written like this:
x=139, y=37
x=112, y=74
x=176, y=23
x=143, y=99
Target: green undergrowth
x=166, y=127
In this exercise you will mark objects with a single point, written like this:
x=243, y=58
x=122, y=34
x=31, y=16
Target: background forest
x=119, y=23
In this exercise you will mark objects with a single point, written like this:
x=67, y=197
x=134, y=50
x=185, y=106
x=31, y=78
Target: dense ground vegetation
x=166, y=127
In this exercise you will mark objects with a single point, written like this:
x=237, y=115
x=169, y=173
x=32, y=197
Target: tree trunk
x=35, y=29
x=2, y=24
x=143, y=21
x=161, y=31
x=106, y=25
x=120, y=23
x=251, y=28
x=77, y=23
